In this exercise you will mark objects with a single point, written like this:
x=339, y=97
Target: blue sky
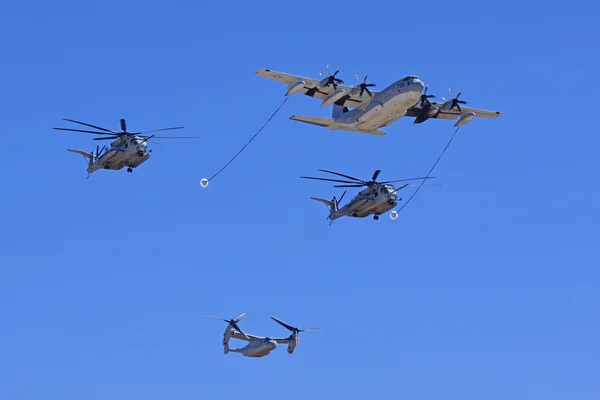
x=486, y=286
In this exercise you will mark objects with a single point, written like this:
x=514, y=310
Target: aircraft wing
x=238, y=335
x=453, y=114
x=311, y=88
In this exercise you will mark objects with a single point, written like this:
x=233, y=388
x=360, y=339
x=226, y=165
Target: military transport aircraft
x=258, y=346
x=374, y=110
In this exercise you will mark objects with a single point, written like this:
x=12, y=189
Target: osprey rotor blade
x=238, y=319
x=345, y=176
x=293, y=329
x=215, y=317
x=280, y=322
x=328, y=180
x=232, y=322
x=91, y=126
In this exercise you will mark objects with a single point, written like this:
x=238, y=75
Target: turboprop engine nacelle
x=293, y=343
x=333, y=97
x=426, y=114
x=464, y=118
x=295, y=87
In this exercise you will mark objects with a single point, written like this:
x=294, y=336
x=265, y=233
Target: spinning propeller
x=331, y=79
x=294, y=330
x=111, y=135
x=364, y=85
x=355, y=182
x=232, y=322
x=426, y=96
x=455, y=101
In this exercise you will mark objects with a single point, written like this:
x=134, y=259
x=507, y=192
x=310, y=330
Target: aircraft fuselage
x=384, y=108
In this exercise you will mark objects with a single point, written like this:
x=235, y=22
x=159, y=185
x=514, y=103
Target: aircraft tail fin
x=85, y=154
x=88, y=156
x=331, y=204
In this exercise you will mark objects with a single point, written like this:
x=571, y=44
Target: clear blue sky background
x=485, y=287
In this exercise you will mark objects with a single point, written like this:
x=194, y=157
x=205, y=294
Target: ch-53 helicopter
x=258, y=346
x=376, y=199
x=128, y=150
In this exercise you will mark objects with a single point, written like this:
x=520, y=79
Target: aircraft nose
x=418, y=85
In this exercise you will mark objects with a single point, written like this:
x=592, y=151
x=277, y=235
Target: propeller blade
x=310, y=330
x=91, y=126
x=289, y=327
x=232, y=322
x=345, y=176
x=328, y=180
x=80, y=130
x=214, y=316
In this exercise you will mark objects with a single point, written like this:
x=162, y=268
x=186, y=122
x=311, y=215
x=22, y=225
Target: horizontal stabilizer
x=327, y=202
x=324, y=122
x=330, y=123
x=83, y=153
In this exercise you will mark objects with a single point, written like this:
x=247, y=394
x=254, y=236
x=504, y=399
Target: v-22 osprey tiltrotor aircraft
x=258, y=346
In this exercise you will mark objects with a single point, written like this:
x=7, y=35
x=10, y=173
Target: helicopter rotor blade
x=80, y=130
x=349, y=186
x=105, y=138
x=123, y=125
x=345, y=176
x=91, y=126
x=342, y=196
x=176, y=137
x=408, y=179
x=375, y=175
x=162, y=129
x=328, y=180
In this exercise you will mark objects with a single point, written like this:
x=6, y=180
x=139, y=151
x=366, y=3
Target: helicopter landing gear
x=129, y=169
x=375, y=217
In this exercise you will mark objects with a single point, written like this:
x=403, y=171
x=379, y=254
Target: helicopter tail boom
x=332, y=205
x=88, y=156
